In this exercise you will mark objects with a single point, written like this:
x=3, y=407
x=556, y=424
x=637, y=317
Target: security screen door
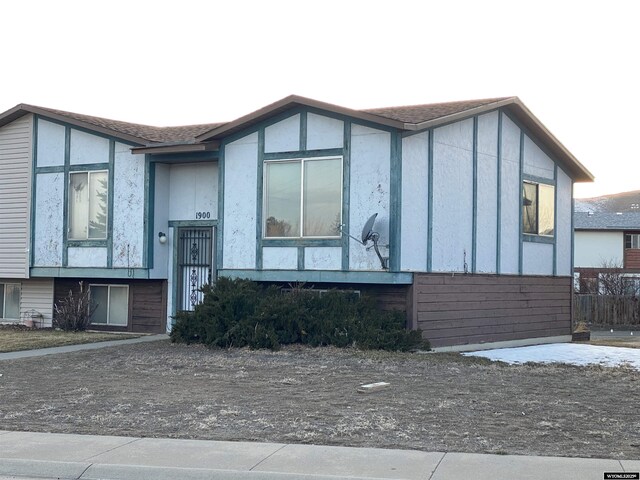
x=195, y=264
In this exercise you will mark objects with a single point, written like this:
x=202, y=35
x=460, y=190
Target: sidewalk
x=82, y=346
x=89, y=457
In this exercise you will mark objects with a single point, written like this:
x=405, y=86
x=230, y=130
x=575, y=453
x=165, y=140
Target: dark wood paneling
x=631, y=258
x=147, y=302
x=466, y=309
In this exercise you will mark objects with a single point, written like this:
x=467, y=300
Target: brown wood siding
x=631, y=258
x=147, y=302
x=466, y=309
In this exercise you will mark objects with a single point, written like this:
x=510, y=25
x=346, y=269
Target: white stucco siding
x=280, y=258
x=128, y=208
x=594, y=249
x=324, y=132
x=50, y=144
x=536, y=162
x=87, y=257
x=48, y=220
x=36, y=297
x=86, y=148
x=240, y=186
x=193, y=191
x=323, y=258
x=415, y=202
x=487, y=193
x=283, y=136
x=510, y=198
x=452, y=197
x=369, y=192
x=537, y=258
x=16, y=139
x=563, y=221
x=161, y=253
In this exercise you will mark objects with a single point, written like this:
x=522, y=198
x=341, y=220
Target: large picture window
x=303, y=198
x=10, y=301
x=111, y=303
x=88, y=193
x=538, y=209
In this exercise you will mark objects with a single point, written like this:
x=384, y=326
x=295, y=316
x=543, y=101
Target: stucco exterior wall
x=324, y=132
x=415, y=202
x=370, y=186
x=193, y=189
x=536, y=162
x=510, y=201
x=85, y=148
x=87, y=257
x=323, y=258
x=49, y=222
x=283, y=136
x=452, y=196
x=50, y=144
x=280, y=258
x=564, y=231
x=128, y=208
x=537, y=258
x=593, y=249
x=240, y=187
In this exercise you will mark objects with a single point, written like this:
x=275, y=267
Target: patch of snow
x=572, y=353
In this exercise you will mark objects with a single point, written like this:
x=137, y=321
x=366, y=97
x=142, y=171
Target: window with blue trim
x=538, y=209
x=88, y=210
x=303, y=198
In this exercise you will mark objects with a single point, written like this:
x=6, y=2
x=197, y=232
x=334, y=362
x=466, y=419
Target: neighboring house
x=606, y=242
x=473, y=202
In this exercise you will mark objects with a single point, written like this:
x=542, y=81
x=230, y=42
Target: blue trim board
x=34, y=176
x=174, y=270
x=538, y=239
x=193, y=223
x=65, y=210
x=346, y=191
x=474, y=221
x=149, y=210
x=430, y=203
x=112, y=160
x=318, y=276
x=555, y=219
x=89, y=167
x=303, y=131
x=536, y=179
x=89, y=272
x=329, y=152
x=191, y=157
x=520, y=197
x=259, y=197
x=50, y=169
x=300, y=258
x=499, y=195
x=395, y=210
x=301, y=242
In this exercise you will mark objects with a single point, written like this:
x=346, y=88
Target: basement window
x=10, y=301
x=111, y=303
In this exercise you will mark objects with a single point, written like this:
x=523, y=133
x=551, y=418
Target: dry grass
x=615, y=342
x=14, y=338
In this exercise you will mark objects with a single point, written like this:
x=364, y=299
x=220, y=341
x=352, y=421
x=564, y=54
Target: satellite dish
x=367, y=230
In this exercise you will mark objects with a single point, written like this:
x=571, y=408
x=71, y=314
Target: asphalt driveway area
x=434, y=402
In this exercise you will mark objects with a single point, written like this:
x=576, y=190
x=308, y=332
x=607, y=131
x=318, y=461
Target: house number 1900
x=203, y=215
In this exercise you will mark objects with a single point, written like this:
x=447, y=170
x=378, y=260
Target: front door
x=195, y=264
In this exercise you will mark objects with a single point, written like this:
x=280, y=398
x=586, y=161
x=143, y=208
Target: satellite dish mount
x=368, y=234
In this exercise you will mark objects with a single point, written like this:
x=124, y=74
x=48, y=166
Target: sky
x=574, y=64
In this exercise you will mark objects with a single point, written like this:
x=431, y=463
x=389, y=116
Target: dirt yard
x=436, y=402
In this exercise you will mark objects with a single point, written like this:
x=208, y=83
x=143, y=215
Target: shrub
x=73, y=312
x=238, y=313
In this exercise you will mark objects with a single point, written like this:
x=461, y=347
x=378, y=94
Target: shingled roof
x=138, y=133
x=606, y=221
x=432, y=111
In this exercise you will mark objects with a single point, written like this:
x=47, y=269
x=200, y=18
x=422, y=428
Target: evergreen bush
x=238, y=313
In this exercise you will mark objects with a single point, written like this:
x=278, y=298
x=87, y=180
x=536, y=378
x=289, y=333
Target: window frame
x=4, y=300
x=629, y=241
x=109, y=285
x=70, y=238
x=265, y=191
x=537, y=213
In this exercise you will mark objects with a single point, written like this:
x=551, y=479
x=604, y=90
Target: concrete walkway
x=83, y=346
x=86, y=457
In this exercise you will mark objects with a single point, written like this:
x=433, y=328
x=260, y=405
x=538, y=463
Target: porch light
x=162, y=237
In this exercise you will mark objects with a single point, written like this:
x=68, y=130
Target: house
x=473, y=202
x=607, y=242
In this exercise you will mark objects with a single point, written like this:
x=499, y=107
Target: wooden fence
x=606, y=310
